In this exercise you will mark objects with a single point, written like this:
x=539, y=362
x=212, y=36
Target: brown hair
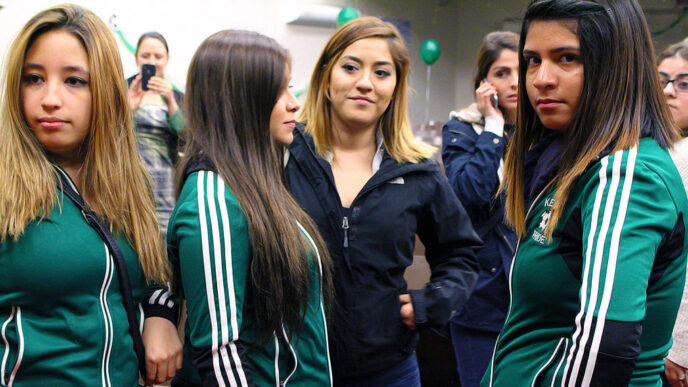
x=490, y=50
x=400, y=143
x=628, y=78
x=676, y=49
x=152, y=35
x=115, y=184
x=234, y=81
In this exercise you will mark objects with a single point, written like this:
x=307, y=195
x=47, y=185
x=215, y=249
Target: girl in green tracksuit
x=65, y=126
x=596, y=201
x=254, y=271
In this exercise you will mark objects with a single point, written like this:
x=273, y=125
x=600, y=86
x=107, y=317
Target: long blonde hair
x=399, y=140
x=113, y=180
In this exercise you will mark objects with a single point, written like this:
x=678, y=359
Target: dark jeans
x=405, y=374
x=473, y=350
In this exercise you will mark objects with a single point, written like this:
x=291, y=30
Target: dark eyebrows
x=359, y=61
x=554, y=50
x=565, y=48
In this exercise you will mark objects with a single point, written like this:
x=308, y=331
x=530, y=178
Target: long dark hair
x=621, y=99
x=234, y=81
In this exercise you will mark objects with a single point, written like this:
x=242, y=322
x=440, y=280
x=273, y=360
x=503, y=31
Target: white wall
x=458, y=25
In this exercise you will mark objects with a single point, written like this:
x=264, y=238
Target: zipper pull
x=345, y=226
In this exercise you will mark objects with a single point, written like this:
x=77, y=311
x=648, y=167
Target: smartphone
x=494, y=99
x=147, y=71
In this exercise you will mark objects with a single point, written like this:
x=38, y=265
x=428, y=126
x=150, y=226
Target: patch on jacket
x=539, y=233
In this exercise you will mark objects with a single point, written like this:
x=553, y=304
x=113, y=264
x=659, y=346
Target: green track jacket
x=596, y=305
x=208, y=236
x=62, y=322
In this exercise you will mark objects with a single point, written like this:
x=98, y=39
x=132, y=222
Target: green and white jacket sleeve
x=212, y=238
x=627, y=212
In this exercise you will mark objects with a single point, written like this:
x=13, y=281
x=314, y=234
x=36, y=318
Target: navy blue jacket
x=471, y=162
x=371, y=255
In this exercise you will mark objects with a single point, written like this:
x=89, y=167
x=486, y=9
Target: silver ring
x=682, y=377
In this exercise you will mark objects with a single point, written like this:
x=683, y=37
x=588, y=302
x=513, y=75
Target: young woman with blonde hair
x=72, y=300
x=359, y=173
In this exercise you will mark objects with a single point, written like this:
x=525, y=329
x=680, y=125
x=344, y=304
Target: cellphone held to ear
x=147, y=71
x=494, y=99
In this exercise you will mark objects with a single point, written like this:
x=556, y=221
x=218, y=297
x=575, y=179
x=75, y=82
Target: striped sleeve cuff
x=161, y=302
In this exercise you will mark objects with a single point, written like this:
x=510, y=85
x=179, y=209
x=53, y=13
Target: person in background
x=357, y=170
x=253, y=268
x=596, y=201
x=473, y=144
x=673, y=76
x=68, y=162
x=158, y=120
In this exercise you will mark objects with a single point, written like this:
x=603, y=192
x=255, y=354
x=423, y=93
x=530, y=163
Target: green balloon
x=430, y=51
x=345, y=15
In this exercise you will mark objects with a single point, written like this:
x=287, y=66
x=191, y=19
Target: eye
x=681, y=84
x=75, y=81
x=33, y=79
x=501, y=74
x=569, y=58
x=349, y=68
x=532, y=61
x=382, y=73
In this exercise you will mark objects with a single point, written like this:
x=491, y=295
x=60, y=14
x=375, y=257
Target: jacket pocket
x=12, y=345
x=547, y=373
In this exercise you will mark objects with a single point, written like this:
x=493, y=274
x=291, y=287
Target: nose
x=545, y=77
x=364, y=83
x=669, y=90
x=52, y=98
x=293, y=104
x=514, y=81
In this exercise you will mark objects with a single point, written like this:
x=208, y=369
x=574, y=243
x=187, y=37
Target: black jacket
x=371, y=255
x=471, y=161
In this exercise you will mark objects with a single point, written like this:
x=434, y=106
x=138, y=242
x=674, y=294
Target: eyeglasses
x=680, y=83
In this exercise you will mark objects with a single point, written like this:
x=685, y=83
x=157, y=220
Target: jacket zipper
x=507, y=242
x=511, y=274
x=345, y=226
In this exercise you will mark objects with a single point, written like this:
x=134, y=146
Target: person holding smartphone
x=473, y=145
x=158, y=119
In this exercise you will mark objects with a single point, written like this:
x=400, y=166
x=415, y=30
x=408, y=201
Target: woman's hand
x=164, y=88
x=483, y=95
x=135, y=93
x=407, y=316
x=163, y=349
x=675, y=373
